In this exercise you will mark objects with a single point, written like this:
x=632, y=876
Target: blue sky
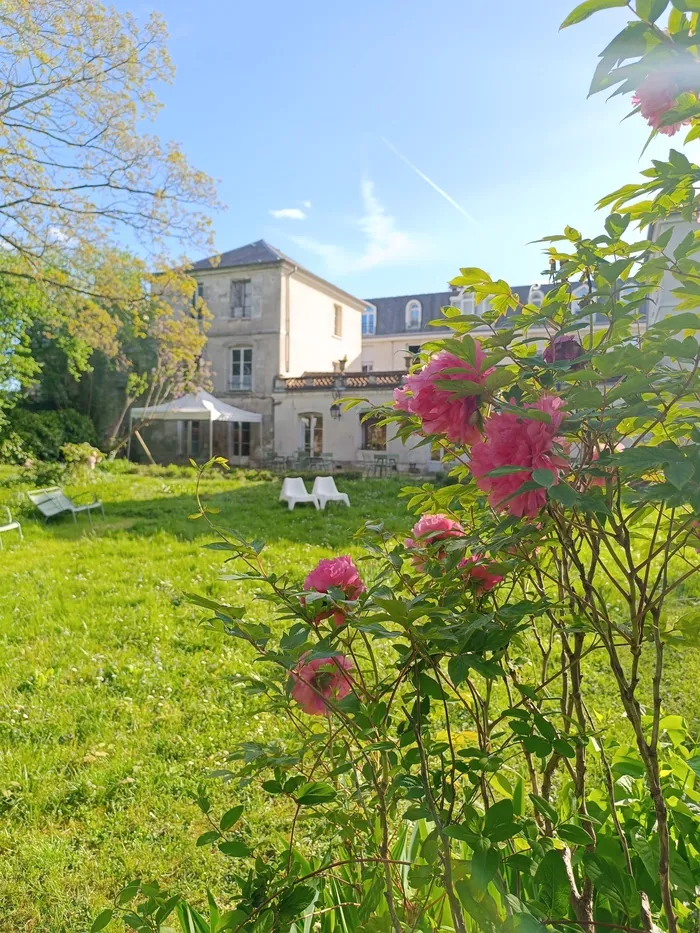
x=308, y=109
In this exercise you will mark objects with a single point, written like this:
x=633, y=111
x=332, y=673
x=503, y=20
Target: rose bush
x=453, y=762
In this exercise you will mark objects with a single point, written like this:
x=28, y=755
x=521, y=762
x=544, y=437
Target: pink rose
x=428, y=530
x=655, y=96
x=511, y=440
x=431, y=528
x=338, y=573
x=479, y=573
x=318, y=681
x=439, y=409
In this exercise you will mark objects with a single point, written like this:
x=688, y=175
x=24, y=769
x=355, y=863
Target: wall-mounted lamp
x=335, y=411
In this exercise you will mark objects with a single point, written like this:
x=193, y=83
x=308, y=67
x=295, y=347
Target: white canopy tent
x=197, y=406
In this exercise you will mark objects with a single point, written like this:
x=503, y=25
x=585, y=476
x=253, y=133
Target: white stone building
x=285, y=343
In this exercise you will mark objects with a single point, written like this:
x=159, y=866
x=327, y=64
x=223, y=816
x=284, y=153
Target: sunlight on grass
x=115, y=705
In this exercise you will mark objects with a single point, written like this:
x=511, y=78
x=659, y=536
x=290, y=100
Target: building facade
x=289, y=345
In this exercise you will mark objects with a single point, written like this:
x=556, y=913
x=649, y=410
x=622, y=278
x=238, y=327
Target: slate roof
x=258, y=253
x=391, y=312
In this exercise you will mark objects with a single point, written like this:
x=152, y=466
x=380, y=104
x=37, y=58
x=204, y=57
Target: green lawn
x=114, y=704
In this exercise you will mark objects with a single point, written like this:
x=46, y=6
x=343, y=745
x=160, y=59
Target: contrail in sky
x=429, y=181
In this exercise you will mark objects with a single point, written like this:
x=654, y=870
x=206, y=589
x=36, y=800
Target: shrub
x=13, y=449
x=43, y=433
x=45, y=473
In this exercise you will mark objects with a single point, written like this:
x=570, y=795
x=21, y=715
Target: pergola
x=197, y=406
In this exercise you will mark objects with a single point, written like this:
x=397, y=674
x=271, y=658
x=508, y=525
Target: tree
x=78, y=169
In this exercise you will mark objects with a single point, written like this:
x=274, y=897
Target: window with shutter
x=241, y=298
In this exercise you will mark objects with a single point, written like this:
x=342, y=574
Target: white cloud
x=306, y=204
x=384, y=245
x=288, y=213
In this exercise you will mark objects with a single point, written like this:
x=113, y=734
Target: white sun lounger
x=10, y=525
x=294, y=490
x=53, y=501
x=326, y=491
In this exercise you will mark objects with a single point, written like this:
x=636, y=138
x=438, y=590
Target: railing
x=244, y=384
x=330, y=381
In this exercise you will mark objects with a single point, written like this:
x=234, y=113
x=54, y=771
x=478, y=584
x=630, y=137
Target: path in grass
x=113, y=703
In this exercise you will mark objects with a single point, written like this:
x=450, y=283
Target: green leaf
x=484, y=866
x=235, y=849
x=679, y=473
x=518, y=798
x=230, y=818
x=295, y=900
x=458, y=667
x=128, y=893
x=574, y=834
x=687, y=6
x=101, y=921
x=315, y=793
x=544, y=807
x=564, y=494
x=694, y=765
x=207, y=838
x=537, y=746
x=553, y=886
x=499, y=823
x=501, y=377
x=564, y=748
x=544, y=477
x=588, y=8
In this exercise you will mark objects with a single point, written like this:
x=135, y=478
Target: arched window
x=465, y=301
x=581, y=291
x=413, y=314
x=536, y=295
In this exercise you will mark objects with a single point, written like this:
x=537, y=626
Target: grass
x=114, y=705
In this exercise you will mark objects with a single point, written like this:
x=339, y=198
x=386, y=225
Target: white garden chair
x=326, y=491
x=10, y=525
x=294, y=490
x=53, y=501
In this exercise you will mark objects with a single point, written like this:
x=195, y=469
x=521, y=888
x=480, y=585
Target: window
x=373, y=433
x=195, y=435
x=197, y=299
x=241, y=439
x=535, y=296
x=368, y=367
x=465, y=302
x=311, y=426
x=369, y=322
x=241, y=369
x=241, y=298
x=413, y=314
x=338, y=320
x=410, y=354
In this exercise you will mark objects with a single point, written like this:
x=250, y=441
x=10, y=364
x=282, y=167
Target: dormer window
x=414, y=313
x=369, y=321
x=581, y=291
x=465, y=302
x=535, y=296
